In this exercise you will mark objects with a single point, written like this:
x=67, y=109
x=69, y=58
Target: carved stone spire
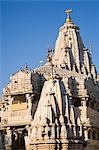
x=69, y=46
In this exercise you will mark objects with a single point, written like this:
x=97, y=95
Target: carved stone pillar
x=29, y=104
x=63, y=133
x=8, y=139
x=83, y=101
x=27, y=140
x=81, y=130
x=28, y=97
x=53, y=131
x=86, y=133
x=57, y=128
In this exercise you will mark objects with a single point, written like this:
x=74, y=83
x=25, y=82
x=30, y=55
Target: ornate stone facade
x=56, y=106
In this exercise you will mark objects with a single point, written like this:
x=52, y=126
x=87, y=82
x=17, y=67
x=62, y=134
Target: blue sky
x=29, y=28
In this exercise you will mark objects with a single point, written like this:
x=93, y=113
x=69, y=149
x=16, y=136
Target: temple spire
x=68, y=12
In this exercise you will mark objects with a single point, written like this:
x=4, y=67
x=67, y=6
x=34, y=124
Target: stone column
x=57, y=128
x=63, y=133
x=28, y=97
x=83, y=102
x=86, y=133
x=53, y=131
x=8, y=139
x=27, y=140
x=81, y=130
x=29, y=104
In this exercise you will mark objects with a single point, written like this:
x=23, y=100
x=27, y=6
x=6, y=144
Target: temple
x=55, y=106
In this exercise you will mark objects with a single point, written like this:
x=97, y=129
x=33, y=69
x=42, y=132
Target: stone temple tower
x=56, y=106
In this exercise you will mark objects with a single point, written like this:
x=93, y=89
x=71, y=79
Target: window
x=19, y=98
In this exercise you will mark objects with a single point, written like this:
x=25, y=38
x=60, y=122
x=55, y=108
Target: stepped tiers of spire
x=55, y=106
x=70, y=48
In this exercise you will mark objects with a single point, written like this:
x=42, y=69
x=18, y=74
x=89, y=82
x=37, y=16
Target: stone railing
x=21, y=117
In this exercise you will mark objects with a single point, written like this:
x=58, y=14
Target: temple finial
x=68, y=11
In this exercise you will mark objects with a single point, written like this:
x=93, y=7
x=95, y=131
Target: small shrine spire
x=68, y=12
